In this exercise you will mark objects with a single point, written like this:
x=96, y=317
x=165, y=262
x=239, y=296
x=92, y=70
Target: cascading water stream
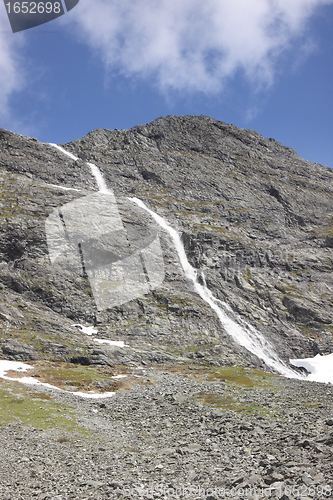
x=94, y=169
x=243, y=333
x=246, y=335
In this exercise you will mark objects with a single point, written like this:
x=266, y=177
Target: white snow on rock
x=320, y=367
x=117, y=343
x=63, y=187
x=88, y=330
x=17, y=366
x=94, y=395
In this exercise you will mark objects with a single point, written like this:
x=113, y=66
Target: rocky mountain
x=254, y=218
x=194, y=413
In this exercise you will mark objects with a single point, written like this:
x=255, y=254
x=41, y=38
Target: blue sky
x=266, y=65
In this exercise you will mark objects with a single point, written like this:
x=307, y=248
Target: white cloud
x=186, y=45
x=12, y=77
x=192, y=45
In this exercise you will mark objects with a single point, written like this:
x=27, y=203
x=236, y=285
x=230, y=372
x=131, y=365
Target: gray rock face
x=254, y=218
x=18, y=352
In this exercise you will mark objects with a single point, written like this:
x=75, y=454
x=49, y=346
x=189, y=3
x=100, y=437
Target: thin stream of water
x=244, y=334
x=94, y=169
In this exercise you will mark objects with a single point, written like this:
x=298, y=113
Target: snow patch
x=320, y=367
x=88, y=330
x=118, y=343
x=17, y=366
x=94, y=395
x=63, y=187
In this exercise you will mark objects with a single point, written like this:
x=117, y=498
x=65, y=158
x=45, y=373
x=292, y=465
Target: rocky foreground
x=181, y=432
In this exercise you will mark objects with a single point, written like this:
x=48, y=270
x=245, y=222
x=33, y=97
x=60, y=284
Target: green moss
x=285, y=287
x=313, y=405
x=33, y=334
x=82, y=378
x=20, y=405
x=231, y=376
x=210, y=228
x=247, y=377
x=62, y=373
x=315, y=330
x=230, y=403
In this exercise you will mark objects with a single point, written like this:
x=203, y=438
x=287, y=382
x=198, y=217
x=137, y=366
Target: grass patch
x=78, y=377
x=21, y=406
x=245, y=377
x=73, y=377
x=229, y=403
x=313, y=405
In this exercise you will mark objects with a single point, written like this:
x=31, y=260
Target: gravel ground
x=180, y=434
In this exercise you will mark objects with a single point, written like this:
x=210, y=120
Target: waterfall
x=242, y=332
x=94, y=169
x=246, y=335
x=99, y=179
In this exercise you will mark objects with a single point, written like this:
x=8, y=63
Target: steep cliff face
x=255, y=219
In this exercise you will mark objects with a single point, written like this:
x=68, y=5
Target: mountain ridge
x=253, y=216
